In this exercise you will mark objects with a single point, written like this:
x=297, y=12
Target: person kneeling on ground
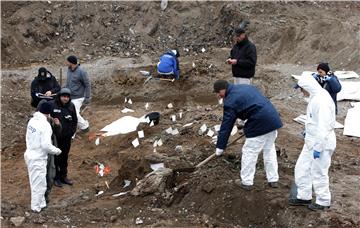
x=247, y=103
x=328, y=81
x=168, y=65
x=38, y=146
x=64, y=110
x=312, y=166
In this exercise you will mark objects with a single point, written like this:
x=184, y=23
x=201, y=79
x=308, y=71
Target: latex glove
x=219, y=152
x=316, y=154
x=86, y=101
x=58, y=151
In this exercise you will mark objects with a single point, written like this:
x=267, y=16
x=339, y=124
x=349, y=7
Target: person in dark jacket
x=168, y=65
x=44, y=86
x=64, y=110
x=242, y=58
x=262, y=121
x=328, y=81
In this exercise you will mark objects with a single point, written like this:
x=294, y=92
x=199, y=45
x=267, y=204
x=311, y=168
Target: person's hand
x=58, y=151
x=86, y=101
x=219, y=152
x=48, y=93
x=316, y=154
x=228, y=61
x=233, y=61
x=56, y=121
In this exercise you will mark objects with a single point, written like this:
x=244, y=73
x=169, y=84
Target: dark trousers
x=61, y=160
x=50, y=174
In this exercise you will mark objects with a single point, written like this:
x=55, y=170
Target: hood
x=38, y=115
x=310, y=84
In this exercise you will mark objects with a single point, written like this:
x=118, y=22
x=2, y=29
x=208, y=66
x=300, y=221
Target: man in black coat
x=44, y=86
x=64, y=110
x=242, y=58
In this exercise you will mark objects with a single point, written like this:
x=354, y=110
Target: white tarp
x=346, y=74
x=352, y=122
x=350, y=90
x=339, y=74
x=302, y=118
x=123, y=125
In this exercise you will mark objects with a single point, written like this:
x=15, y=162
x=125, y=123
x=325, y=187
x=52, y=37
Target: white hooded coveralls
x=320, y=136
x=38, y=145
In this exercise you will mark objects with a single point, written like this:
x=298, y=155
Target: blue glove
x=316, y=154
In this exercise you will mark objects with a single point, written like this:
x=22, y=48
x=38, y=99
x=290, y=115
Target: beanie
x=45, y=108
x=42, y=73
x=65, y=91
x=220, y=85
x=72, y=59
x=239, y=31
x=323, y=66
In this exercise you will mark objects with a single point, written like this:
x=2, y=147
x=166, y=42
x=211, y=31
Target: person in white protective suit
x=38, y=146
x=312, y=166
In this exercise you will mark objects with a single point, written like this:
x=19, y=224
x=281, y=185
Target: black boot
x=58, y=183
x=67, y=181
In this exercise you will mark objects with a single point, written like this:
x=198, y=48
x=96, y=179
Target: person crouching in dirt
x=168, y=66
x=247, y=103
x=38, y=146
x=312, y=166
x=79, y=84
x=242, y=58
x=44, y=86
x=64, y=110
x=328, y=81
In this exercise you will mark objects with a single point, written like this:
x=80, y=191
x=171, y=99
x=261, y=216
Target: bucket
x=154, y=117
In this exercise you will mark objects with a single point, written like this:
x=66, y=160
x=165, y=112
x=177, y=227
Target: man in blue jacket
x=262, y=121
x=328, y=81
x=169, y=64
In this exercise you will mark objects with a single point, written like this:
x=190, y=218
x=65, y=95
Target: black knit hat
x=42, y=72
x=65, y=91
x=239, y=31
x=323, y=66
x=72, y=59
x=220, y=85
x=45, y=108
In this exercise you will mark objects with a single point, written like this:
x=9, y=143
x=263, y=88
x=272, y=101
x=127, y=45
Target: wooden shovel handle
x=213, y=155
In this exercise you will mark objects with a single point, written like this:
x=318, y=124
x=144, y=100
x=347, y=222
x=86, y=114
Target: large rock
x=17, y=221
x=155, y=181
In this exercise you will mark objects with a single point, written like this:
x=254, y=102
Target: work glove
x=219, y=152
x=316, y=154
x=86, y=101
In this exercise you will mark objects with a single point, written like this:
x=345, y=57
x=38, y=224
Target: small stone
x=27, y=214
x=138, y=221
x=178, y=149
x=17, y=221
x=113, y=218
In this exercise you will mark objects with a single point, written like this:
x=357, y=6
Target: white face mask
x=174, y=51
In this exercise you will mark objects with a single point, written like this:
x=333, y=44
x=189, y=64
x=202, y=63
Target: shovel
x=160, y=79
x=214, y=155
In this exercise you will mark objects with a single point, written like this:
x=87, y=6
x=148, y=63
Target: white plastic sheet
x=123, y=125
x=302, y=119
x=352, y=122
x=350, y=90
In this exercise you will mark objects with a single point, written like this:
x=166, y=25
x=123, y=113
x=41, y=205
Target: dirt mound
x=286, y=31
